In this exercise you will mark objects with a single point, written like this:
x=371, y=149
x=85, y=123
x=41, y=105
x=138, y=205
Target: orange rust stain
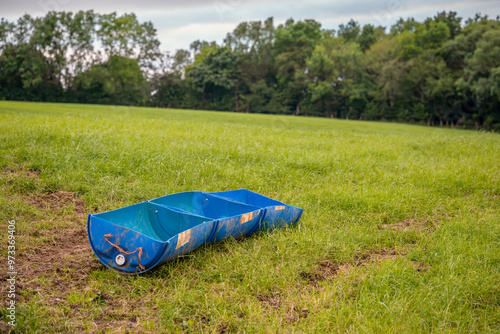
x=246, y=217
x=183, y=238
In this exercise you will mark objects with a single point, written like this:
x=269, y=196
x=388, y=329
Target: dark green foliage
x=367, y=37
x=169, y=91
x=26, y=75
x=350, y=31
x=118, y=81
x=451, y=20
x=294, y=44
x=213, y=77
x=54, y=58
x=435, y=72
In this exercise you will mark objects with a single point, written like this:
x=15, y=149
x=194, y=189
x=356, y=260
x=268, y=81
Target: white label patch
x=246, y=217
x=183, y=239
x=278, y=208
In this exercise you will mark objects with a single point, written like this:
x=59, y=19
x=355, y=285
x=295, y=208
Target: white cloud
x=181, y=37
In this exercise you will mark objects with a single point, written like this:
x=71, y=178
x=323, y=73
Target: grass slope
x=401, y=230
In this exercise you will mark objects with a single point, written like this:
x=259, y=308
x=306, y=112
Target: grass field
x=401, y=229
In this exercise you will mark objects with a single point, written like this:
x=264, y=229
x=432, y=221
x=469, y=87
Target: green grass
x=353, y=179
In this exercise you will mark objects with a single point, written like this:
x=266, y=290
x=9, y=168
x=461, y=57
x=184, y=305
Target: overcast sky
x=179, y=22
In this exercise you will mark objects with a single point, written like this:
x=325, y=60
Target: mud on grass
x=56, y=270
x=56, y=263
x=330, y=270
x=66, y=250
x=275, y=302
x=425, y=224
x=61, y=254
x=10, y=173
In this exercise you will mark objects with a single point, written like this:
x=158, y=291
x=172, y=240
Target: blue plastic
x=234, y=219
x=161, y=233
x=139, y=237
x=277, y=214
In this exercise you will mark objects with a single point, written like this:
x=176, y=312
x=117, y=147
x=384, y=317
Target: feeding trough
x=137, y=238
x=233, y=219
x=276, y=214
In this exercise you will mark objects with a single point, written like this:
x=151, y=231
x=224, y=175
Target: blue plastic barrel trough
x=137, y=238
x=276, y=214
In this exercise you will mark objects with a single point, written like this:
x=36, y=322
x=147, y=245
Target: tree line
x=441, y=71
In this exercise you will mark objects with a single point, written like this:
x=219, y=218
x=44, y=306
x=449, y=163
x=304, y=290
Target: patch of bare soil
x=16, y=172
x=53, y=271
x=272, y=300
x=376, y=255
x=224, y=327
x=67, y=261
x=5, y=328
x=324, y=270
x=59, y=200
x=426, y=224
x=328, y=270
x=296, y=314
x=419, y=266
x=121, y=314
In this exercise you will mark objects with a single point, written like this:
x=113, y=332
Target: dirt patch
x=296, y=314
x=57, y=201
x=121, y=325
x=64, y=266
x=67, y=260
x=224, y=327
x=327, y=270
x=118, y=313
x=274, y=303
x=20, y=172
x=419, y=266
x=201, y=318
x=426, y=224
x=324, y=270
x=272, y=300
x=5, y=327
x=60, y=266
x=376, y=255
